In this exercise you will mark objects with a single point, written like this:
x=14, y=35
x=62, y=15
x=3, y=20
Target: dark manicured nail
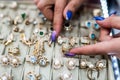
x=70, y=54
x=114, y=12
x=99, y=18
x=68, y=15
x=53, y=36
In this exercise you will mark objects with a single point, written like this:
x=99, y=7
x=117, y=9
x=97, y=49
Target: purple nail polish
x=70, y=54
x=53, y=36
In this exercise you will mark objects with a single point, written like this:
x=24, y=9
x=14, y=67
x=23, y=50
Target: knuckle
x=58, y=10
x=40, y=6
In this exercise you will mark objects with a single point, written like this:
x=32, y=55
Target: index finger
x=58, y=15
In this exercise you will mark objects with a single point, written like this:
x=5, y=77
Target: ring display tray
x=27, y=53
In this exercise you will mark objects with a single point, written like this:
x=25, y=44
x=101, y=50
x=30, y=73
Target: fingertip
x=68, y=13
x=36, y=1
x=75, y=50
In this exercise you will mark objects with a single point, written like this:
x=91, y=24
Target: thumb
x=110, y=22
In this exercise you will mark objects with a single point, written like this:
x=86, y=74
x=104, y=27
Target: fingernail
x=70, y=54
x=53, y=36
x=68, y=15
x=114, y=12
x=99, y=18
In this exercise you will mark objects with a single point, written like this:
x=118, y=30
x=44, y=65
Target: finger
x=116, y=35
x=104, y=34
x=36, y=1
x=45, y=8
x=58, y=15
x=111, y=22
x=72, y=6
x=99, y=48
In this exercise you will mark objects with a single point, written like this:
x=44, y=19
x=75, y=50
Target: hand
x=109, y=44
x=57, y=10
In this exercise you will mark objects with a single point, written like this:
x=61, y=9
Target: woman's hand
x=58, y=10
x=109, y=45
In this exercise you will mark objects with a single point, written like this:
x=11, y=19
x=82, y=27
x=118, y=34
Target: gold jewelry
x=14, y=51
x=5, y=60
x=100, y=65
x=43, y=61
x=15, y=61
x=66, y=76
x=89, y=73
x=88, y=24
x=16, y=20
x=24, y=41
x=6, y=77
x=42, y=33
x=61, y=40
x=9, y=40
x=73, y=41
x=16, y=29
x=68, y=26
x=32, y=59
x=1, y=37
x=57, y=64
x=33, y=76
x=36, y=48
x=71, y=64
x=42, y=49
x=65, y=47
x=83, y=63
x=92, y=36
x=27, y=22
x=85, y=40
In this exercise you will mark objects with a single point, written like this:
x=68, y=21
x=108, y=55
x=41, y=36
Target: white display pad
x=25, y=35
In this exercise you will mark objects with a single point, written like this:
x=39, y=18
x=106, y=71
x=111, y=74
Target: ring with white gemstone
x=66, y=76
x=31, y=59
x=5, y=60
x=73, y=41
x=71, y=64
x=6, y=77
x=83, y=63
x=15, y=61
x=65, y=47
x=33, y=76
x=90, y=72
x=43, y=61
x=57, y=64
x=100, y=65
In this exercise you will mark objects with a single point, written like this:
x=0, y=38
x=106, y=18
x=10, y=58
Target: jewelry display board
x=27, y=53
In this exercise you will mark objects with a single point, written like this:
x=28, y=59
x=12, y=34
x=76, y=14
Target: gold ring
x=89, y=73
